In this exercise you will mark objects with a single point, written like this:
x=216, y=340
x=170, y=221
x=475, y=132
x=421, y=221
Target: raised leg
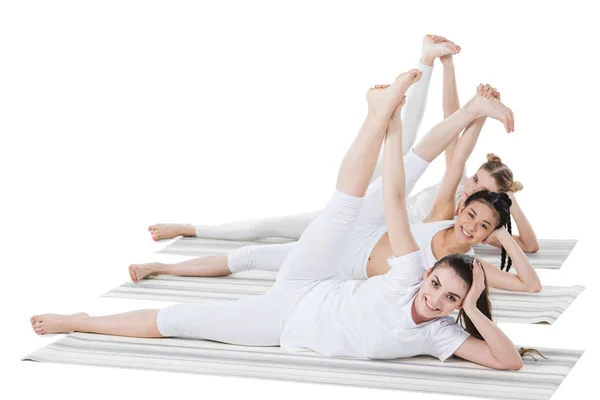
x=319, y=250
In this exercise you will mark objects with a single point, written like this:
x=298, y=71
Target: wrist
x=447, y=62
x=470, y=309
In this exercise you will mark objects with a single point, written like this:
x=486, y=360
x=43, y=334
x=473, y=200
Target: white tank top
x=423, y=232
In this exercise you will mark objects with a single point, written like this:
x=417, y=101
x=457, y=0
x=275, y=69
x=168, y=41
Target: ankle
x=426, y=59
x=188, y=230
x=159, y=268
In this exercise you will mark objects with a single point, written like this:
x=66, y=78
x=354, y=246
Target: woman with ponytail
x=481, y=218
x=312, y=307
x=493, y=175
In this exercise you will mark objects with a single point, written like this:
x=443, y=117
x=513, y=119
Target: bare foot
x=438, y=46
x=383, y=99
x=169, y=231
x=137, y=272
x=487, y=103
x=54, y=323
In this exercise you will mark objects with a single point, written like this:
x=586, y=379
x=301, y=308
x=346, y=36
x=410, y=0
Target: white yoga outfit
x=310, y=307
x=353, y=265
x=368, y=230
x=292, y=226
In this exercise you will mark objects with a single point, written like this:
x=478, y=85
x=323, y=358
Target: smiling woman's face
x=481, y=180
x=475, y=223
x=442, y=292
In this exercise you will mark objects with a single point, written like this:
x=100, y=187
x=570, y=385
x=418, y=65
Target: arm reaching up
x=444, y=201
x=394, y=190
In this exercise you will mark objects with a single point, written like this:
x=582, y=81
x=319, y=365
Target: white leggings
x=259, y=320
x=292, y=226
x=367, y=231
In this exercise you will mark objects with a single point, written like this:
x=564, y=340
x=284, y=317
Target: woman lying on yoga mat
x=400, y=314
x=492, y=175
x=481, y=218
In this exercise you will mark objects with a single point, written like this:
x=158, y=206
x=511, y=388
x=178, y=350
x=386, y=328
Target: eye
x=471, y=215
x=484, y=226
x=452, y=298
x=435, y=284
x=475, y=179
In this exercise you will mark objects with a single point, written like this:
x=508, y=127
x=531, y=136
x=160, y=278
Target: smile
x=465, y=234
x=432, y=308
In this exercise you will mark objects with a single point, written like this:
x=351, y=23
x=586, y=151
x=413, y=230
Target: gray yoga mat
x=552, y=253
x=543, y=307
x=536, y=380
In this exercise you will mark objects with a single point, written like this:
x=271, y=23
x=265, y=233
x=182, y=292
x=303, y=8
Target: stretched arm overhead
x=444, y=201
x=450, y=100
x=416, y=97
x=394, y=190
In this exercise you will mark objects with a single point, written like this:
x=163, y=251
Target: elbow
x=536, y=288
x=533, y=248
x=515, y=366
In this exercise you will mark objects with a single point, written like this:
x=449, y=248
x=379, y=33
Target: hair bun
x=516, y=186
x=491, y=157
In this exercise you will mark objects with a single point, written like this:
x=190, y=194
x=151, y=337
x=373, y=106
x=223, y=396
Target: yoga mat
x=552, y=253
x=543, y=307
x=536, y=380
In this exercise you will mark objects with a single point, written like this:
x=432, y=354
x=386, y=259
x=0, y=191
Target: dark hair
x=500, y=203
x=501, y=174
x=462, y=265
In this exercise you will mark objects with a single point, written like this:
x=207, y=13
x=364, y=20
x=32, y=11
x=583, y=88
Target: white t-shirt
x=370, y=319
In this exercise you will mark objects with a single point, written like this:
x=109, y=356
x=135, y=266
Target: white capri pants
x=369, y=228
x=259, y=320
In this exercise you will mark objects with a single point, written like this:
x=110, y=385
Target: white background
x=118, y=114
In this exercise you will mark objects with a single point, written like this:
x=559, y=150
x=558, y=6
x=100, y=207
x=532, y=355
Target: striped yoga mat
x=543, y=307
x=552, y=253
x=536, y=380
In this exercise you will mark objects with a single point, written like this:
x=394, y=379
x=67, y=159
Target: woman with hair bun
x=493, y=175
x=453, y=223
x=402, y=313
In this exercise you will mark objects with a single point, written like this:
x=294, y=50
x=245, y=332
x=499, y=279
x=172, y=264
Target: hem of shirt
x=455, y=346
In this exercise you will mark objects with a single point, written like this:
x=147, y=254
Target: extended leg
x=254, y=321
x=264, y=257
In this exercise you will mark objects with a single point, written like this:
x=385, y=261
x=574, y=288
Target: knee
x=168, y=321
x=240, y=259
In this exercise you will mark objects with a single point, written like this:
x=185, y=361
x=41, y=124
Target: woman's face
x=475, y=223
x=442, y=292
x=482, y=180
